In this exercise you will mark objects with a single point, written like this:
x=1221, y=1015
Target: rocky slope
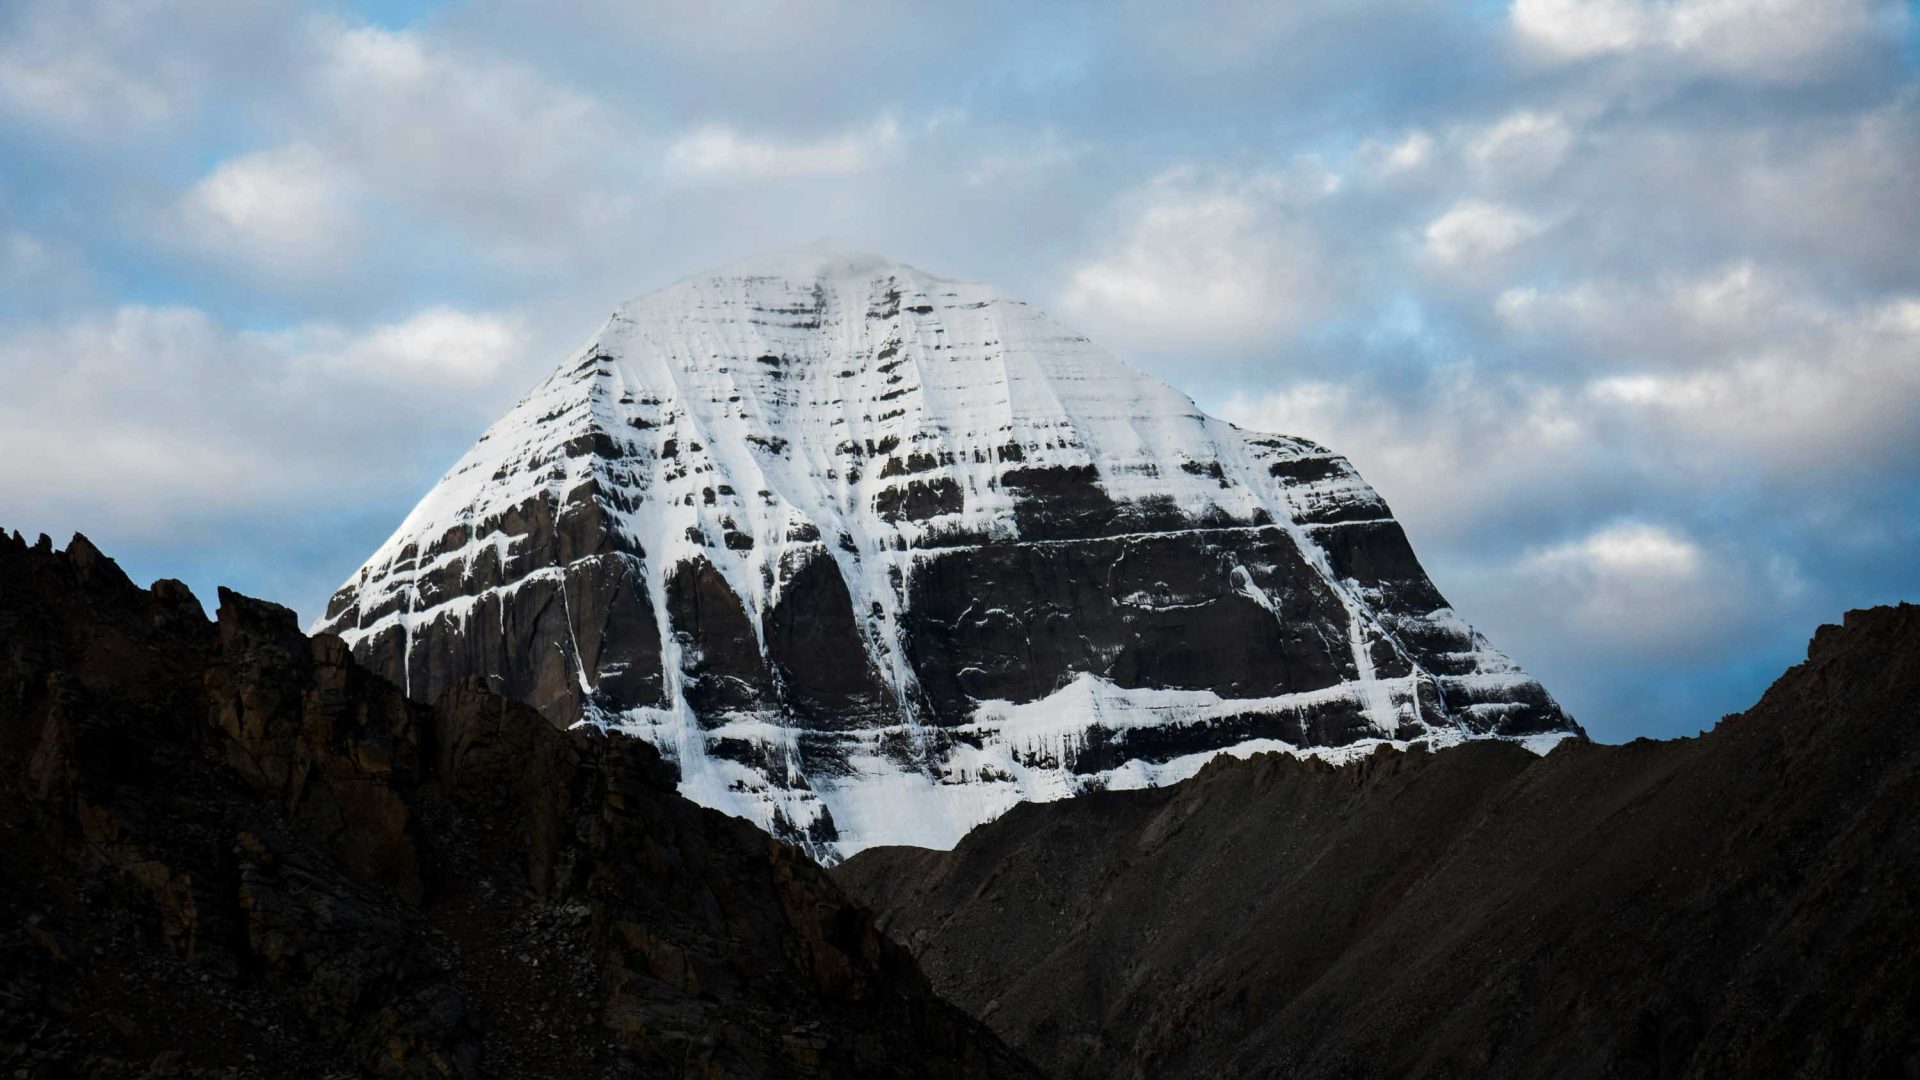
x=872, y=555
x=227, y=850
x=1746, y=903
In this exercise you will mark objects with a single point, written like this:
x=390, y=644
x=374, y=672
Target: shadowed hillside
x=226, y=850
x=1740, y=904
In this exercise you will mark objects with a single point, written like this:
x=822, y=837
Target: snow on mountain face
x=873, y=555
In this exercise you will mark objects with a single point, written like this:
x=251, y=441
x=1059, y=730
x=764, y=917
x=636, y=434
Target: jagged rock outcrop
x=226, y=849
x=872, y=555
x=1742, y=904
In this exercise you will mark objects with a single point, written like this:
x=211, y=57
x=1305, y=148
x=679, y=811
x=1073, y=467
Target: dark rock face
x=724, y=669
x=1746, y=903
x=1017, y=622
x=813, y=640
x=228, y=850
x=815, y=530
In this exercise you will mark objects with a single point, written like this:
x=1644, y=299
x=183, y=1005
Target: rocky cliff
x=1742, y=904
x=872, y=555
x=228, y=850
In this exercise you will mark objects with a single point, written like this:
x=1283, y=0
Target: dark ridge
x=1742, y=904
x=226, y=850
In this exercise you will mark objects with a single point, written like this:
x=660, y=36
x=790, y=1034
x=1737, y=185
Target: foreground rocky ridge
x=226, y=849
x=1745, y=903
x=872, y=555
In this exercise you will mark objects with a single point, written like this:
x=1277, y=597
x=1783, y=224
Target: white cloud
x=149, y=417
x=1517, y=150
x=1648, y=589
x=1739, y=368
x=105, y=70
x=1474, y=232
x=286, y=208
x=1469, y=446
x=1671, y=320
x=1839, y=195
x=1634, y=552
x=1581, y=28
x=1827, y=191
x=130, y=370
x=525, y=165
x=718, y=151
x=1849, y=399
x=80, y=90
x=1475, y=463
x=440, y=346
x=1209, y=258
x=1660, y=393
x=1410, y=153
x=1522, y=148
x=1762, y=39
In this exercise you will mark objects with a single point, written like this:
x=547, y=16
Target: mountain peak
x=823, y=259
x=873, y=555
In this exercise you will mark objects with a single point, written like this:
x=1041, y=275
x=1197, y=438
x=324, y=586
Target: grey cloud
x=1209, y=258
x=1765, y=40
x=134, y=69
x=146, y=420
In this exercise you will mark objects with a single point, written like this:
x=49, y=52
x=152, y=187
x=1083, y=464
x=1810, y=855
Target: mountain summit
x=872, y=555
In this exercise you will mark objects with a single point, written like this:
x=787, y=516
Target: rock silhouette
x=229, y=850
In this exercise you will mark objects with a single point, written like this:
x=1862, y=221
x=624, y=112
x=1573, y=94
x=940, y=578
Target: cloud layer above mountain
x=1616, y=301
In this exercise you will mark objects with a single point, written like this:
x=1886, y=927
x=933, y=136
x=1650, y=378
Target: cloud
x=1206, y=258
x=1385, y=160
x=1628, y=581
x=1474, y=232
x=1741, y=368
x=80, y=90
x=1837, y=193
x=1648, y=590
x=286, y=209
x=438, y=347
x=1505, y=155
x=1648, y=196
x=1463, y=453
x=1671, y=320
x=103, y=70
x=1675, y=394
x=1851, y=399
x=1574, y=29
x=154, y=419
x=1758, y=39
x=518, y=162
x=1521, y=149
x=721, y=152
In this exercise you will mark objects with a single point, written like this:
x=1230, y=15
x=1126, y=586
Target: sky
x=1616, y=302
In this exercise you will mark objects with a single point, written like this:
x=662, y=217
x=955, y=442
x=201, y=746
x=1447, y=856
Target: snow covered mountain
x=873, y=555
